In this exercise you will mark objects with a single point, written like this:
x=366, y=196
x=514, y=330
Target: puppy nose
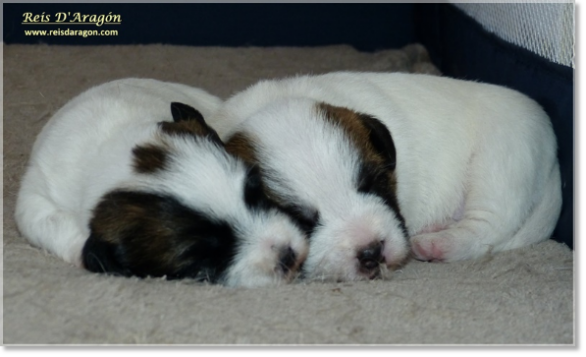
x=287, y=259
x=369, y=258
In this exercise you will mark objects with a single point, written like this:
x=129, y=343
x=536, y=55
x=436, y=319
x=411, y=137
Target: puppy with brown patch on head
x=128, y=179
x=378, y=165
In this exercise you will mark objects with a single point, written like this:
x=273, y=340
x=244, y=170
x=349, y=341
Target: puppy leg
x=454, y=243
x=544, y=217
x=50, y=228
x=502, y=193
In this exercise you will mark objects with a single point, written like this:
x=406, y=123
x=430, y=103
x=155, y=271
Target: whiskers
x=323, y=272
x=95, y=257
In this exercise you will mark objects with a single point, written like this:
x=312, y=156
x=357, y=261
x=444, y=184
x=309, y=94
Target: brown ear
x=369, y=134
x=102, y=256
x=147, y=234
x=381, y=139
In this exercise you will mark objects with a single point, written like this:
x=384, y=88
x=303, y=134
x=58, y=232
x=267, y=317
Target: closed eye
x=254, y=193
x=307, y=218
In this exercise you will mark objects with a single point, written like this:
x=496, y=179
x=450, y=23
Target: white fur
x=84, y=151
x=476, y=163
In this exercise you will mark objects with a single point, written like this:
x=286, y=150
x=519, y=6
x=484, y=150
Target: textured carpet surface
x=517, y=297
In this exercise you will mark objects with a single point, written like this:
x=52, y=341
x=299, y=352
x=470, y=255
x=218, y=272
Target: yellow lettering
x=28, y=17
x=61, y=17
x=100, y=21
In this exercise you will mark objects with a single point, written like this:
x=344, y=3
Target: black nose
x=370, y=257
x=287, y=259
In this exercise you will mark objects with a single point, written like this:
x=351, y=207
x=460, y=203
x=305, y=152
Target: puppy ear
x=189, y=121
x=381, y=139
x=145, y=234
x=100, y=256
x=181, y=112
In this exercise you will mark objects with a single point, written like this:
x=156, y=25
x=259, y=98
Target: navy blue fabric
x=461, y=48
x=367, y=27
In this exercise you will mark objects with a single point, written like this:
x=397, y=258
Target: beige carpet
x=518, y=297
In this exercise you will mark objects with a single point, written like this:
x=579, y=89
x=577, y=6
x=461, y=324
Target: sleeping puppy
x=119, y=183
x=377, y=165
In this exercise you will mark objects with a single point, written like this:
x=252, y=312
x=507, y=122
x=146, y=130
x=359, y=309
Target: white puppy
x=375, y=164
x=124, y=182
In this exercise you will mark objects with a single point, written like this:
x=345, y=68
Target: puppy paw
x=433, y=247
x=451, y=244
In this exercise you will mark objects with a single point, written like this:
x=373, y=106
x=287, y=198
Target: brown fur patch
x=242, y=146
x=354, y=125
x=351, y=122
x=154, y=235
x=149, y=158
x=185, y=127
x=114, y=214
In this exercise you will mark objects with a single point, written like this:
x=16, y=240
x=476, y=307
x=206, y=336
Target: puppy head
x=193, y=211
x=333, y=170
